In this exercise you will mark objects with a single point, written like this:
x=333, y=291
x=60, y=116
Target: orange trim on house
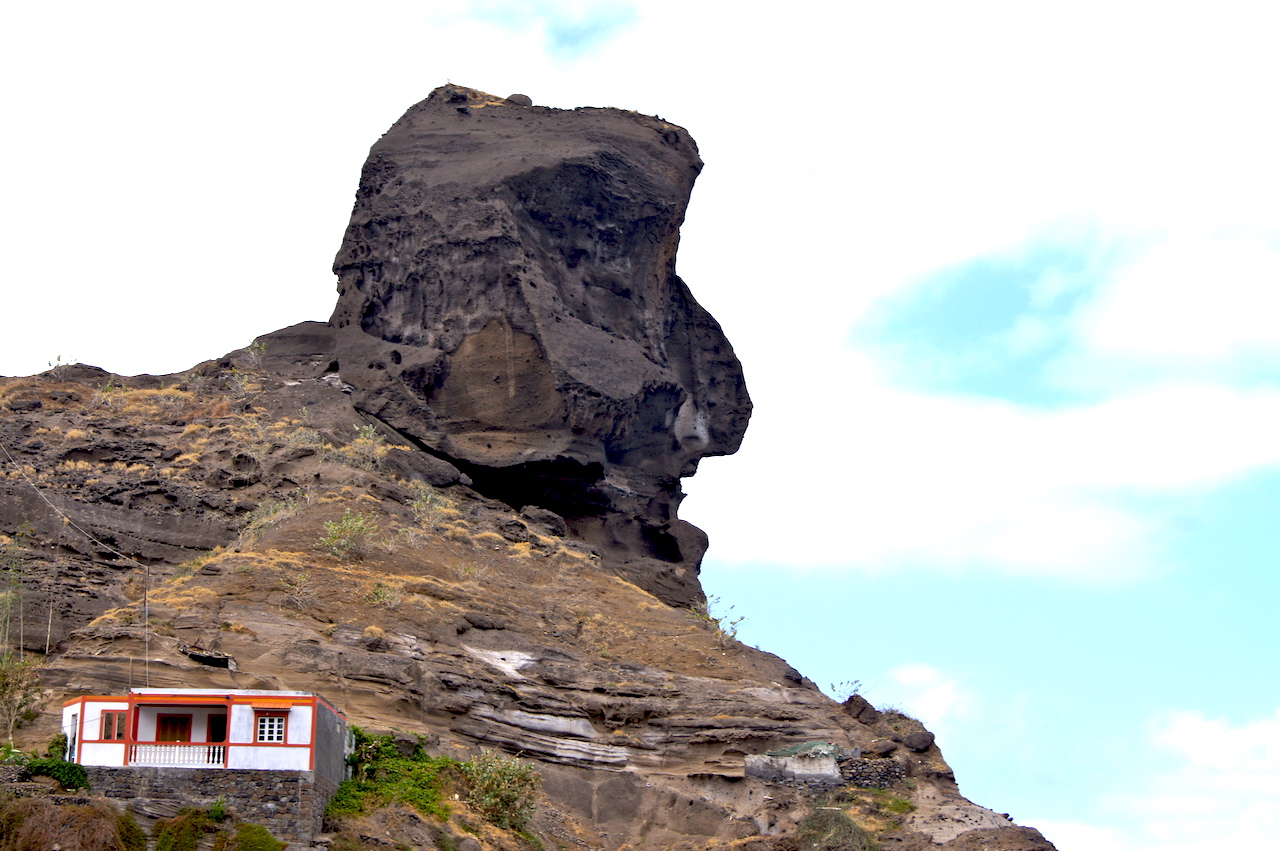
x=261, y=704
x=79, y=716
x=275, y=703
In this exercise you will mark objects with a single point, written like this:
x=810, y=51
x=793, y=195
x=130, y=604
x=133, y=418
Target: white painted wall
x=240, y=725
x=283, y=758
x=91, y=720
x=102, y=753
x=298, y=731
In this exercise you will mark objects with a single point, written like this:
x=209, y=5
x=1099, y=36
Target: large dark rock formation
x=511, y=324
x=508, y=300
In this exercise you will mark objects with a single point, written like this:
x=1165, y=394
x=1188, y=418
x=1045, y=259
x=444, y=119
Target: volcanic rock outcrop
x=508, y=300
x=512, y=385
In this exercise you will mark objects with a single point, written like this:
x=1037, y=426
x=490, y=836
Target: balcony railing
x=175, y=754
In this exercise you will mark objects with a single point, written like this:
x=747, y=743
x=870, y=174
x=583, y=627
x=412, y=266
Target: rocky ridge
x=525, y=584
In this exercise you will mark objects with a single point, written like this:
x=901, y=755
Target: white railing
x=171, y=754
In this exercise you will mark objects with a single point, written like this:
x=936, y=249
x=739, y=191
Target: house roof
x=255, y=697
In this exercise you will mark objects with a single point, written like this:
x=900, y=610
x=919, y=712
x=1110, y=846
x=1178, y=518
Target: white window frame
x=271, y=728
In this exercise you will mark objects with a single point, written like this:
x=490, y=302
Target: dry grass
x=34, y=824
x=183, y=595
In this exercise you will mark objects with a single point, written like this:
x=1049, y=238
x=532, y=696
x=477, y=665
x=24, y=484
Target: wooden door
x=173, y=728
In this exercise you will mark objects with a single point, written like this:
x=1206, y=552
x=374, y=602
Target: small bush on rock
x=503, y=789
x=183, y=832
x=350, y=538
x=68, y=774
x=248, y=837
x=832, y=830
x=381, y=776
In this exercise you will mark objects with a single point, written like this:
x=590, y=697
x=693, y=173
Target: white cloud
x=930, y=695
x=1220, y=793
x=963, y=483
x=1190, y=302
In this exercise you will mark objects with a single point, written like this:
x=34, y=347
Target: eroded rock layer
x=508, y=299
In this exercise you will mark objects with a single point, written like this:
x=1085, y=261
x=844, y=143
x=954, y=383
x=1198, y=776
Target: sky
x=1004, y=279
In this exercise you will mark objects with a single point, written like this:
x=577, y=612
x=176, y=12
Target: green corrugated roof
x=807, y=749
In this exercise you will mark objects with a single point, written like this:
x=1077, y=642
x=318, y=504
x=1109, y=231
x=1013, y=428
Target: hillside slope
x=452, y=509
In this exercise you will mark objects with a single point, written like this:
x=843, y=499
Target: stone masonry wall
x=872, y=773
x=290, y=804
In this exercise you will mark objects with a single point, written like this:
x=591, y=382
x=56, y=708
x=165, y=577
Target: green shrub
x=832, y=830
x=248, y=837
x=182, y=832
x=503, y=789
x=387, y=596
x=57, y=749
x=417, y=782
x=382, y=776
x=11, y=755
x=68, y=774
x=430, y=505
x=350, y=538
x=132, y=837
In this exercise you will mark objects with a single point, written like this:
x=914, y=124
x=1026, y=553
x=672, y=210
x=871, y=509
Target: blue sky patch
x=570, y=32
x=989, y=327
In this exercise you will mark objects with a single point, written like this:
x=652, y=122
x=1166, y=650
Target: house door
x=217, y=728
x=173, y=728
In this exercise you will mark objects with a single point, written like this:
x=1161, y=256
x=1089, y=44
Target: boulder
x=861, y=709
x=508, y=302
x=919, y=741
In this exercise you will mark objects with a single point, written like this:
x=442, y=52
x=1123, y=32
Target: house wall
x=83, y=722
x=90, y=722
x=297, y=730
x=102, y=753
x=199, y=720
x=333, y=745
x=269, y=756
x=289, y=804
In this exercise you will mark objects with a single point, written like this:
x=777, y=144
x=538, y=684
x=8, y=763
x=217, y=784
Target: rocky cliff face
x=511, y=386
x=508, y=299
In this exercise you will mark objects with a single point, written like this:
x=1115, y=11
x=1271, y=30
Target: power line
x=67, y=521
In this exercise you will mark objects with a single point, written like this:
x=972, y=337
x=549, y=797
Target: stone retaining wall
x=290, y=804
x=872, y=773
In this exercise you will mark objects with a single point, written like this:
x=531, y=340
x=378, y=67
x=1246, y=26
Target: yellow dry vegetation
x=183, y=594
x=123, y=614
x=125, y=467
x=76, y=434
x=284, y=559
x=489, y=539
x=151, y=402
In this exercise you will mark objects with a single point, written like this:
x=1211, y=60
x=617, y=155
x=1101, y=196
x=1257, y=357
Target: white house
x=203, y=728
